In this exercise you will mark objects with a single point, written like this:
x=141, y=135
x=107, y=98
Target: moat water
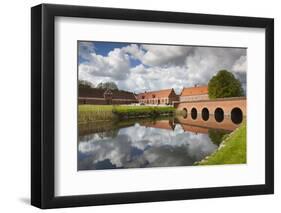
x=144, y=143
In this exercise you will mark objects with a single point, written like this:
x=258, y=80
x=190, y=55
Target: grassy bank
x=231, y=151
x=88, y=113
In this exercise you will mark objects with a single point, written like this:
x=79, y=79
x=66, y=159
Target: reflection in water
x=144, y=143
x=217, y=136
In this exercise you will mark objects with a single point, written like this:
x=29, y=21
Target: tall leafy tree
x=108, y=85
x=224, y=84
x=85, y=84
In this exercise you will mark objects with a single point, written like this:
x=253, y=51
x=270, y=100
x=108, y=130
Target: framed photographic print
x=140, y=106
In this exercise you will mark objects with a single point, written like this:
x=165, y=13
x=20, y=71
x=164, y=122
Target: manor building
x=105, y=96
x=160, y=97
x=195, y=93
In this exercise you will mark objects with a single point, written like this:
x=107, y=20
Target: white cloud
x=163, y=66
x=165, y=55
x=116, y=66
x=240, y=65
x=134, y=50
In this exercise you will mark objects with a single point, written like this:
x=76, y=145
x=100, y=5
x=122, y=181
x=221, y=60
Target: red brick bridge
x=216, y=111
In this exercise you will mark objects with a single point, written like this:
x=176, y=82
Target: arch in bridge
x=184, y=112
x=205, y=114
x=236, y=115
x=193, y=113
x=219, y=114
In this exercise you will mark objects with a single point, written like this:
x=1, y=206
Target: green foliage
x=85, y=84
x=223, y=85
x=124, y=112
x=108, y=85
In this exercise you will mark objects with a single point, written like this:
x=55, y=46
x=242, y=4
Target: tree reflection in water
x=217, y=135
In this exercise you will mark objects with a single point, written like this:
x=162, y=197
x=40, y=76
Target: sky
x=149, y=67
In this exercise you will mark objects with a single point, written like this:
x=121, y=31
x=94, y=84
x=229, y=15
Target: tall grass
x=88, y=113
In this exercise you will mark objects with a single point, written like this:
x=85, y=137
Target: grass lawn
x=232, y=150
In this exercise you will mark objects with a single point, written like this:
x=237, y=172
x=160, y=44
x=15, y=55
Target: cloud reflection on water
x=139, y=146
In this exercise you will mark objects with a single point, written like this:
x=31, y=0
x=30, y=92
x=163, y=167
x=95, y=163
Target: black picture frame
x=43, y=102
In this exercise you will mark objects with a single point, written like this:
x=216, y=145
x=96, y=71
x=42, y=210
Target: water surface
x=144, y=143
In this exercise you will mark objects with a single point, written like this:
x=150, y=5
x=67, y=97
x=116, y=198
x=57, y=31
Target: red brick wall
x=226, y=124
x=226, y=104
x=91, y=101
x=104, y=102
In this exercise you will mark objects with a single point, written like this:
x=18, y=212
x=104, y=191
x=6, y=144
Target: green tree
x=85, y=84
x=223, y=85
x=107, y=85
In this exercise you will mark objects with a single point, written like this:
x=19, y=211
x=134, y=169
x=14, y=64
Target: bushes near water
x=141, y=111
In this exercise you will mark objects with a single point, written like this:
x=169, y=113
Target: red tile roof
x=198, y=90
x=155, y=94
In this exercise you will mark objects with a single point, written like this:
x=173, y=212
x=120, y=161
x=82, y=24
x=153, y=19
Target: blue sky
x=146, y=67
x=103, y=48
